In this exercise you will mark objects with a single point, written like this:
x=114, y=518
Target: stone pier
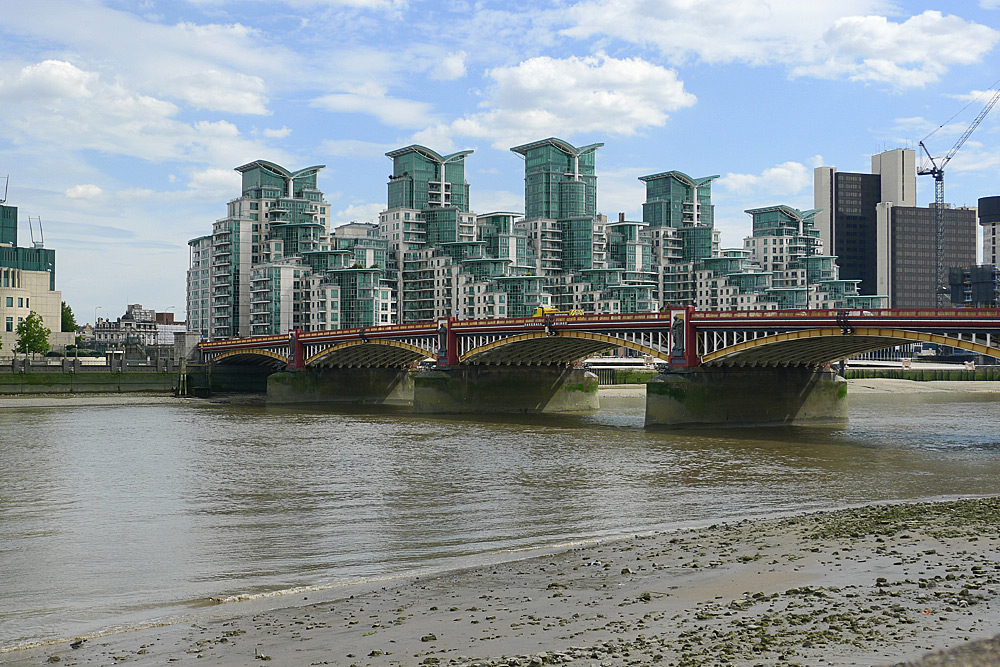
x=344, y=386
x=505, y=389
x=745, y=397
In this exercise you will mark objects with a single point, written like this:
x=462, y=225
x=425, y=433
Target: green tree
x=32, y=335
x=68, y=319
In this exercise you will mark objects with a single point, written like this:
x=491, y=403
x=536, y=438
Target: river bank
x=863, y=386
x=861, y=586
x=858, y=386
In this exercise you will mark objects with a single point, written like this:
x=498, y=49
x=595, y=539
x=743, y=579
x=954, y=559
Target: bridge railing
x=816, y=314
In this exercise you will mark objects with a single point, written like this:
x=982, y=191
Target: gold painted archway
x=409, y=353
x=821, y=346
x=540, y=348
x=250, y=353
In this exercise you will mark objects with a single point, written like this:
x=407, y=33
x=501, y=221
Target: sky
x=122, y=121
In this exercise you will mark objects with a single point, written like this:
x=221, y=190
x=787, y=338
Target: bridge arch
x=815, y=347
x=539, y=348
x=371, y=353
x=253, y=356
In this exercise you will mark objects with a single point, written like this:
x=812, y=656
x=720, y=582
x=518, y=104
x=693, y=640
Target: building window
x=10, y=324
x=10, y=302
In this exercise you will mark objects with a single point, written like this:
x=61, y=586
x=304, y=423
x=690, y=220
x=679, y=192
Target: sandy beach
x=860, y=586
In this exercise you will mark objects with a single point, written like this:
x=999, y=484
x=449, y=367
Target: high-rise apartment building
x=273, y=264
x=560, y=186
x=681, y=227
x=780, y=266
x=429, y=230
x=199, y=286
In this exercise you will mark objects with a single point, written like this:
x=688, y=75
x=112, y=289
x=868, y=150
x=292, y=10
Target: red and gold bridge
x=683, y=337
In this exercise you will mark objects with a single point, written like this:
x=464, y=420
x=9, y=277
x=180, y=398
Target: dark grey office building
x=907, y=251
x=989, y=220
x=847, y=220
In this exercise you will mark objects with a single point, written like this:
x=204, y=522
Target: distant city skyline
x=122, y=126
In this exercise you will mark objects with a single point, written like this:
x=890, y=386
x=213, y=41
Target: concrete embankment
x=101, y=381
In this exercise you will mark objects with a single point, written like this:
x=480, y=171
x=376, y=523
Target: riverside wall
x=74, y=377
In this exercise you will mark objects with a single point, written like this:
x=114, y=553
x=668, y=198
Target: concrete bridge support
x=345, y=386
x=745, y=397
x=505, y=389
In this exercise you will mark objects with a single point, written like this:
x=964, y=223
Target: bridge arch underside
x=371, y=354
x=251, y=357
x=540, y=349
x=816, y=347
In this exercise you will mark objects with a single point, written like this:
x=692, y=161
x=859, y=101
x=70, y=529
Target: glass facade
x=422, y=178
x=674, y=199
x=560, y=180
x=8, y=225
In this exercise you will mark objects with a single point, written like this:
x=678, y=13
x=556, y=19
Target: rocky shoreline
x=861, y=586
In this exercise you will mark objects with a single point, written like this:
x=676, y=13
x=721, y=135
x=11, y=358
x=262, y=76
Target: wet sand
x=861, y=586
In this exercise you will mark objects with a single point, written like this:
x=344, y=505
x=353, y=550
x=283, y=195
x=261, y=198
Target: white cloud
x=209, y=66
x=564, y=97
x=217, y=181
x=364, y=4
x=989, y=4
x=450, y=67
x=847, y=38
x=231, y=92
x=356, y=148
x=975, y=157
x=55, y=102
x=88, y=191
x=371, y=98
x=358, y=212
x=619, y=190
x=913, y=53
x=276, y=134
x=488, y=201
x=976, y=95
x=786, y=179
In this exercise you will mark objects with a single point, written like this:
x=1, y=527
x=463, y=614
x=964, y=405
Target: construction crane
x=936, y=169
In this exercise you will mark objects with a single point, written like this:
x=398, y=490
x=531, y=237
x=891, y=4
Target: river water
x=118, y=516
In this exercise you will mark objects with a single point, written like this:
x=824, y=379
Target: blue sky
x=121, y=121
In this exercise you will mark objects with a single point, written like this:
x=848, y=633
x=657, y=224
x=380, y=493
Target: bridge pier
x=505, y=389
x=350, y=386
x=711, y=396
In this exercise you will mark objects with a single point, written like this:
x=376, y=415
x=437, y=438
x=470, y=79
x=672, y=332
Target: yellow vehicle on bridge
x=542, y=311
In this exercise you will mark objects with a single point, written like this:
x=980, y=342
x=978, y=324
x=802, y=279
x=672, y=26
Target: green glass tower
x=422, y=178
x=560, y=179
x=674, y=199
